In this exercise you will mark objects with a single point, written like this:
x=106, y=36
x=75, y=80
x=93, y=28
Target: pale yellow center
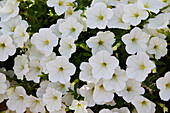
x=73, y=29
x=60, y=3
x=144, y=102
x=46, y=42
x=168, y=85
x=129, y=89
x=60, y=69
x=136, y=15
x=100, y=17
x=2, y=45
x=142, y=66
x=104, y=64
x=100, y=42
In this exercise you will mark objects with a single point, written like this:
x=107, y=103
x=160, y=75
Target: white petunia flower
x=34, y=71
x=60, y=6
x=133, y=15
x=139, y=66
x=133, y=88
x=87, y=92
x=98, y=16
x=79, y=106
x=60, y=70
x=44, y=60
x=103, y=41
x=42, y=89
x=36, y=105
x=17, y=101
x=67, y=46
x=52, y=99
x=9, y=26
x=44, y=41
x=6, y=47
x=20, y=35
x=153, y=32
x=163, y=83
x=9, y=10
x=70, y=27
x=55, y=28
x=101, y=95
x=117, y=82
x=149, y=5
x=116, y=20
x=3, y=86
x=20, y=66
x=143, y=105
x=70, y=12
x=135, y=41
x=86, y=73
x=59, y=86
x=159, y=22
x=34, y=53
x=158, y=47
x=103, y=65
x=121, y=110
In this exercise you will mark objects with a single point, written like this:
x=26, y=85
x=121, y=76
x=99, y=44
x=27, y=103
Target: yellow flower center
x=134, y=39
x=60, y=3
x=100, y=17
x=73, y=29
x=38, y=68
x=100, y=42
x=60, y=69
x=167, y=85
x=46, y=42
x=37, y=101
x=55, y=97
x=144, y=102
x=129, y=89
x=104, y=64
x=22, y=67
x=142, y=66
x=2, y=45
x=164, y=1
x=146, y=5
x=70, y=12
x=114, y=76
x=79, y=105
x=70, y=46
x=136, y=15
x=13, y=29
x=21, y=97
x=101, y=87
x=155, y=47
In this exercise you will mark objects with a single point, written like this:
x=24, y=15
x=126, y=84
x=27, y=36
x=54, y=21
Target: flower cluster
x=109, y=56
